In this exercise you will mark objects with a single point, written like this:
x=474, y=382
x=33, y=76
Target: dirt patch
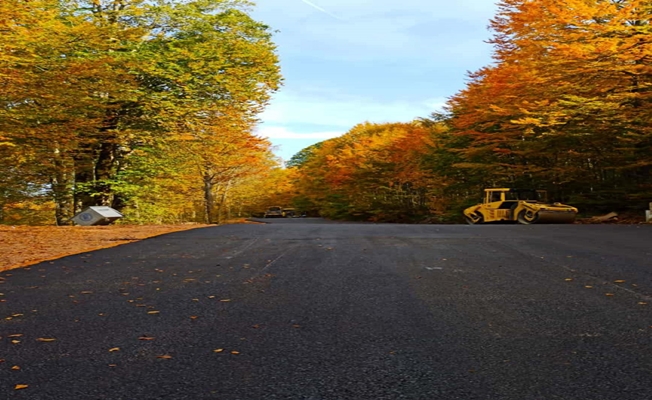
x=628, y=218
x=21, y=246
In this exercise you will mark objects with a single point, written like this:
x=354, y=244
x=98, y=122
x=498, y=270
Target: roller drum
x=555, y=217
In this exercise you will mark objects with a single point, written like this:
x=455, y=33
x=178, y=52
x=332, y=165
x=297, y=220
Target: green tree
x=87, y=83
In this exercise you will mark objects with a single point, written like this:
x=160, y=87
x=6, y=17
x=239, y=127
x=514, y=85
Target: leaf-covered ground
x=24, y=245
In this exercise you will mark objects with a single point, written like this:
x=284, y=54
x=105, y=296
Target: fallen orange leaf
x=15, y=335
x=20, y=386
x=145, y=337
x=218, y=350
x=15, y=367
x=225, y=300
x=235, y=352
x=112, y=349
x=42, y=339
x=165, y=356
x=608, y=294
x=619, y=281
x=153, y=312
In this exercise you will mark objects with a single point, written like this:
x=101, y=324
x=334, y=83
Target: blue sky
x=351, y=61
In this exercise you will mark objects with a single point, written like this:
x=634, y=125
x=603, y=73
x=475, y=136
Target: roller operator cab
x=525, y=206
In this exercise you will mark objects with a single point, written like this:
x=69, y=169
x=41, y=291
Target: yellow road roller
x=525, y=206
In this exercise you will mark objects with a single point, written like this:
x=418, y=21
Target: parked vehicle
x=274, y=212
x=525, y=206
x=289, y=212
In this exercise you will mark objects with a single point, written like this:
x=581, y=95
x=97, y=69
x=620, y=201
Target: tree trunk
x=209, y=200
x=84, y=176
x=222, y=205
x=104, y=171
x=63, y=189
x=97, y=166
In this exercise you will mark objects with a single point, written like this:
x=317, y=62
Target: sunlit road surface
x=306, y=309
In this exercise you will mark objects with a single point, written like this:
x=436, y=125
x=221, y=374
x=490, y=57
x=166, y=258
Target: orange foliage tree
x=567, y=103
x=375, y=171
x=89, y=89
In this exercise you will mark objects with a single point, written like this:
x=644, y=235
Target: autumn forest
x=150, y=107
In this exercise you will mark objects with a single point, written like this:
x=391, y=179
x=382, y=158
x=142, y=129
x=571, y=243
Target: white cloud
x=279, y=132
x=350, y=61
x=342, y=111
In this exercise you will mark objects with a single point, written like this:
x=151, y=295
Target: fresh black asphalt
x=306, y=309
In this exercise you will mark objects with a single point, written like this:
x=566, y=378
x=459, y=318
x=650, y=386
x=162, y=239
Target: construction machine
x=525, y=206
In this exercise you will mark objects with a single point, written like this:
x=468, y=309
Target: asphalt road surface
x=306, y=309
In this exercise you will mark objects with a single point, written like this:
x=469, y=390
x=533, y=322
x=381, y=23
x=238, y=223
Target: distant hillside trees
x=565, y=107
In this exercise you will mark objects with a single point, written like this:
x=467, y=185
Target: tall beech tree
x=567, y=102
x=53, y=100
x=85, y=83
